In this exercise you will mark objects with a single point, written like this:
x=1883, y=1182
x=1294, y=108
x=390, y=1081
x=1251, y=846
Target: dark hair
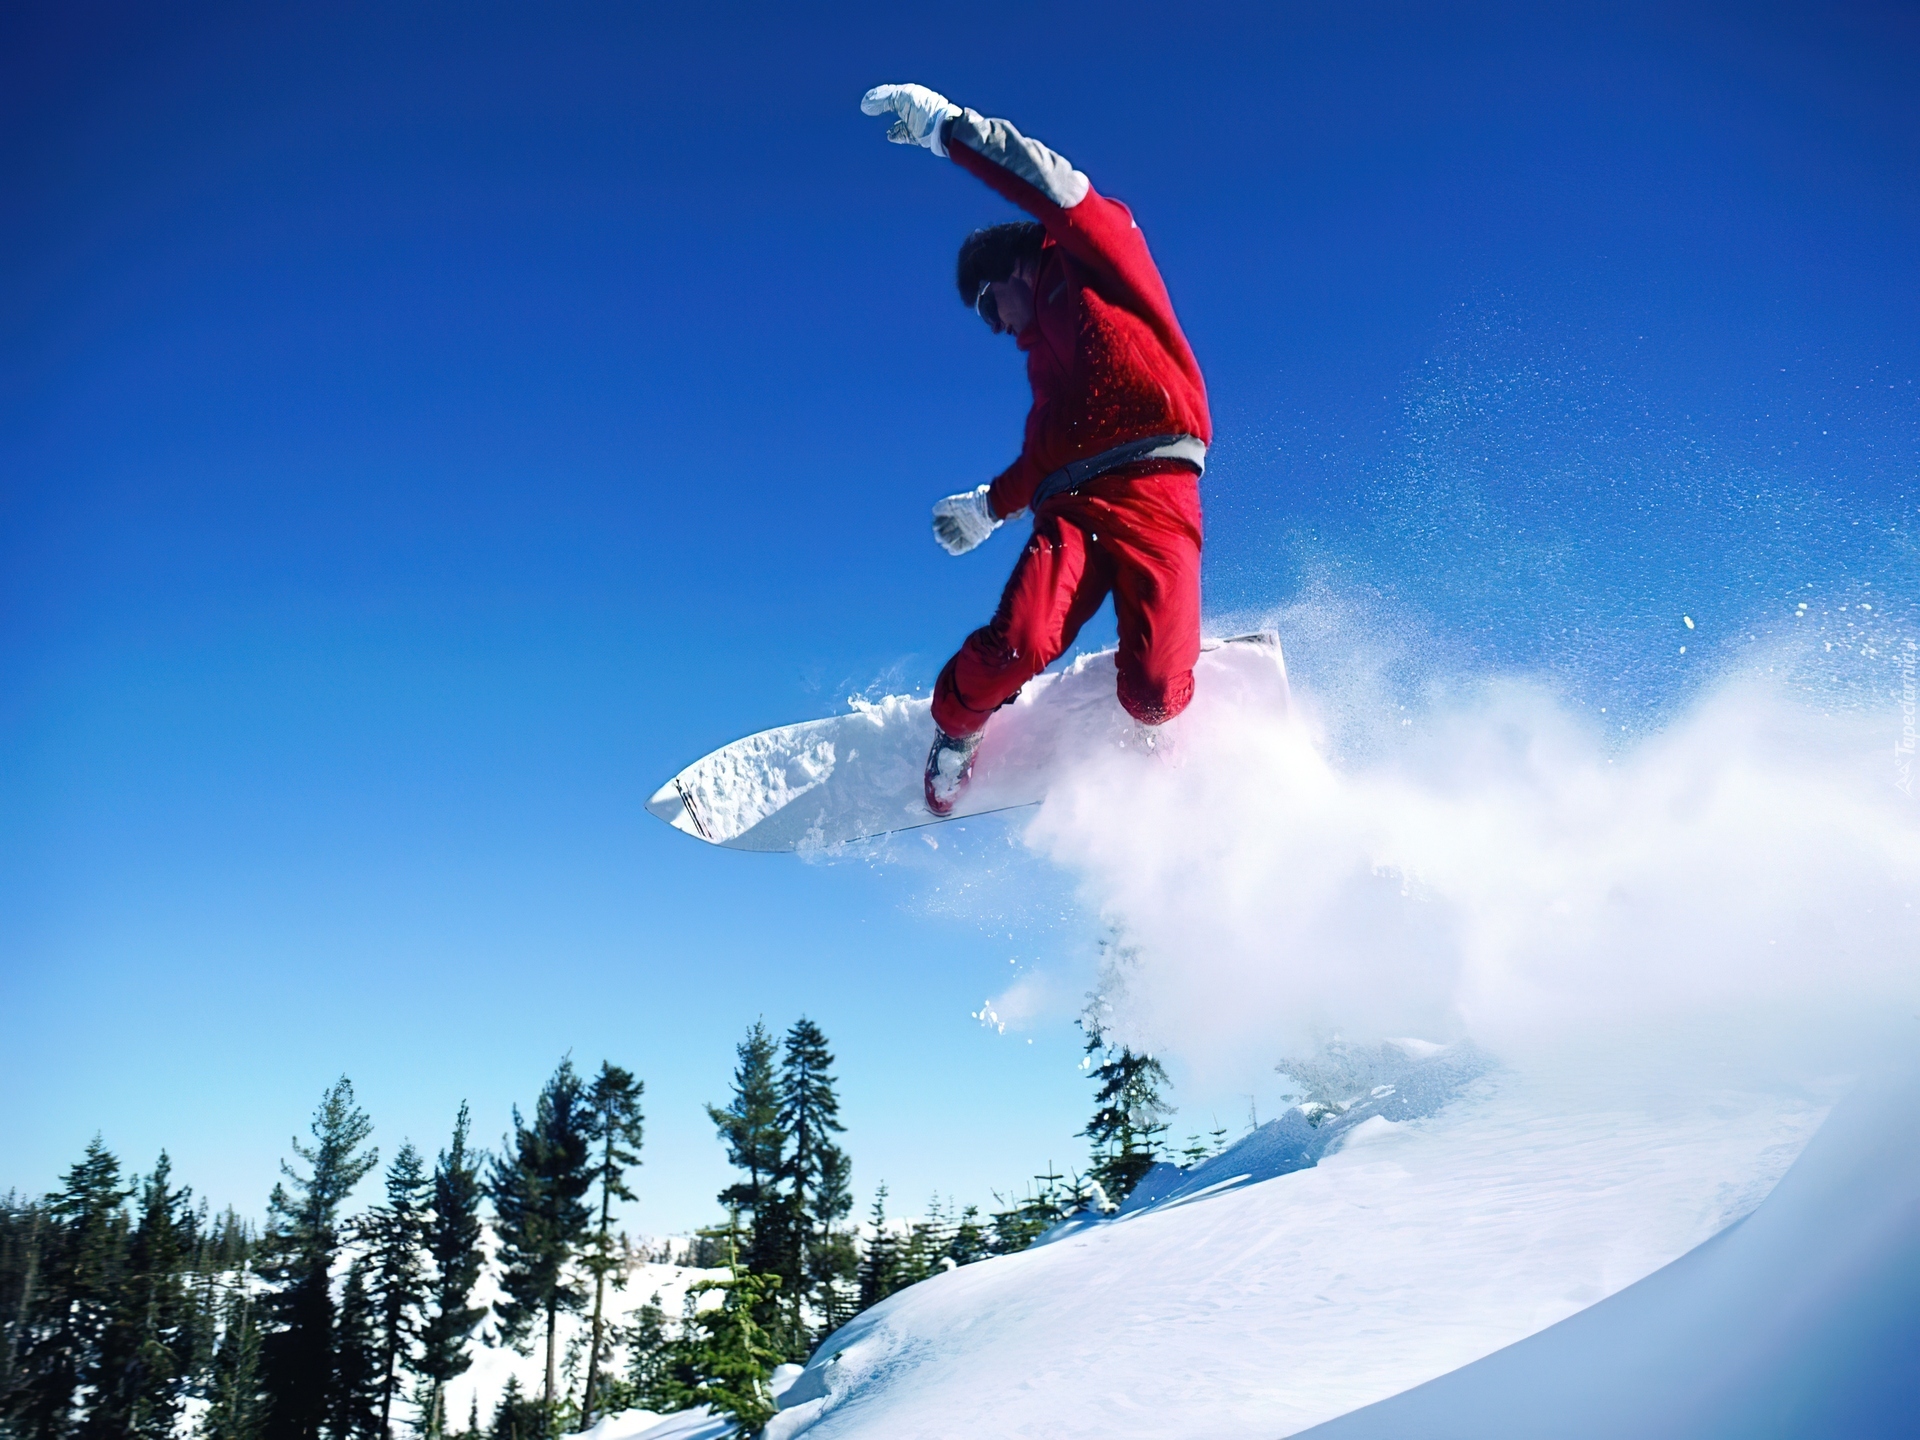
x=995, y=253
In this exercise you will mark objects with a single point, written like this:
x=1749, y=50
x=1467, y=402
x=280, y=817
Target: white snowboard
x=854, y=776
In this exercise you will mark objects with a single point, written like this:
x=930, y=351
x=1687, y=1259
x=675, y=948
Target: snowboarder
x=1115, y=443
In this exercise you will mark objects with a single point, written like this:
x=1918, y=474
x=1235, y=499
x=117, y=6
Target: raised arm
x=1098, y=232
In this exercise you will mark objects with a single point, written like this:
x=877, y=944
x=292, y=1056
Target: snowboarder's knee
x=1025, y=645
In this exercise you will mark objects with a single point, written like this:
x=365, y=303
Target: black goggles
x=988, y=308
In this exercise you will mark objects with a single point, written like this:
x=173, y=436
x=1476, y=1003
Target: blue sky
x=423, y=430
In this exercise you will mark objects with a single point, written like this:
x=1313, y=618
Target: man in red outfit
x=1115, y=442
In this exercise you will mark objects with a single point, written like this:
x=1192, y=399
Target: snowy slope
x=1803, y=1320
x=1263, y=1308
x=1399, y=1080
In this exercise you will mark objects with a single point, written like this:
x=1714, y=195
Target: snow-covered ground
x=1802, y=1321
x=1263, y=1308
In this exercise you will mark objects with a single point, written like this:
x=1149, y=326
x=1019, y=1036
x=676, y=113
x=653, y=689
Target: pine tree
x=397, y=1282
x=1017, y=1224
x=353, y=1401
x=517, y=1417
x=733, y=1356
x=1129, y=1116
x=453, y=1240
x=203, y=1316
x=817, y=1174
x=222, y=1248
x=750, y=1126
x=615, y=1131
x=926, y=1246
x=25, y=1234
x=71, y=1300
x=538, y=1186
x=836, y=1295
x=657, y=1375
x=879, y=1273
x=236, y=1408
x=146, y=1351
x=969, y=1241
x=298, y=1251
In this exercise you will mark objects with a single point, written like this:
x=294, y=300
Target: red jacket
x=1105, y=355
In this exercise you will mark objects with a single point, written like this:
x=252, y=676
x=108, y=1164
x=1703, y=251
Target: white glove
x=920, y=113
x=962, y=521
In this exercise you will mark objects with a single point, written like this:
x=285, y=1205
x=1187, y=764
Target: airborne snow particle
x=1689, y=620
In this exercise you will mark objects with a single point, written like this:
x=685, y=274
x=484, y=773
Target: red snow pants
x=1135, y=537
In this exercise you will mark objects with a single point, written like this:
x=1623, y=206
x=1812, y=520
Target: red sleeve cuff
x=1013, y=489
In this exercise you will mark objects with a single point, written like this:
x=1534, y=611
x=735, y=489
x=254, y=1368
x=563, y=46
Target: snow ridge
x=1263, y=1306
x=1349, y=1085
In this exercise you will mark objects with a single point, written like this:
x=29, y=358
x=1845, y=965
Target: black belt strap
x=1073, y=475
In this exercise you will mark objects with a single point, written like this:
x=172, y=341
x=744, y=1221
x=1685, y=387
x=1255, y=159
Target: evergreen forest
x=348, y=1308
